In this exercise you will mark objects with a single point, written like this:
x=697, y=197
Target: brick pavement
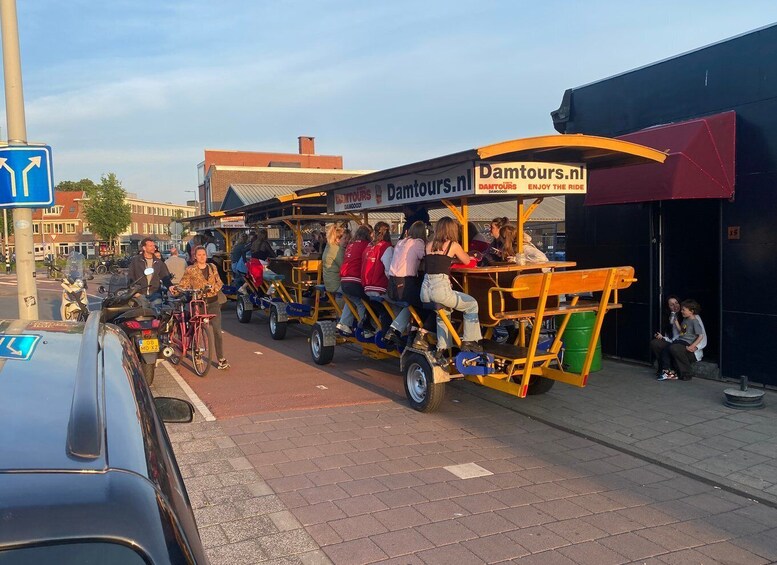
x=368, y=483
x=679, y=424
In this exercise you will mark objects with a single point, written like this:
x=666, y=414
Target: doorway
x=687, y=260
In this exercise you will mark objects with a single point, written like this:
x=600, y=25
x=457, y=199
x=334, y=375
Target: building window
x=35, y=228
x=86, y=229
x=70, y=228
x=46, y=228
x=54, y=210
x=134, y=227
x=59, y=228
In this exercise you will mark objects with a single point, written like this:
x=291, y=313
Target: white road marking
x=258, y=352
x=322, y=387
x=193, y=398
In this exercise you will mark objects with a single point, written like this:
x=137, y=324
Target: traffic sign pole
x=27, y=292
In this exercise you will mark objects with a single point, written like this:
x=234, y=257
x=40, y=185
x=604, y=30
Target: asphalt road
x=49, y=296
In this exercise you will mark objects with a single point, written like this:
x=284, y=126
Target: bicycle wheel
x=176, y=342
x=201, y=350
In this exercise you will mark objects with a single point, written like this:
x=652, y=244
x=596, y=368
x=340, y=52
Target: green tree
x=106, y=209
x=83, y=185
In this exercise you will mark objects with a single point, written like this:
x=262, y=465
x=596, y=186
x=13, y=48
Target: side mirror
x=174, y=410
x=148, y=271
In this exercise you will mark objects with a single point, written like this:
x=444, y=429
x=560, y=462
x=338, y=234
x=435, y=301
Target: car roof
x=55, y=404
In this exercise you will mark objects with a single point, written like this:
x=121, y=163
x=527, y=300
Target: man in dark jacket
x=149, y=284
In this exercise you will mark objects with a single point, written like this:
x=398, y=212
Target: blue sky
x=141, y=88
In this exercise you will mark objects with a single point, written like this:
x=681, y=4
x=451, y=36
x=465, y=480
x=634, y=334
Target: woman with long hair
x=261, y=248
x=350, y=277
x=404, y=282
x=441, y=253
x=375, y=270
x=200, y=275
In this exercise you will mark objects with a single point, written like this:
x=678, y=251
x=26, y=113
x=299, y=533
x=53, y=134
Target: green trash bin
x=576, y=339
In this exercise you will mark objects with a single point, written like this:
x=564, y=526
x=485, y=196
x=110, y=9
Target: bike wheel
x=201, y=350
x=176, y=342
x=101, y=269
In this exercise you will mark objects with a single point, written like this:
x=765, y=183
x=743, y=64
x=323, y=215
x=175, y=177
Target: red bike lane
x=270, y=376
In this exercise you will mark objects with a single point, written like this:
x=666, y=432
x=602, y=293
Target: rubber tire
x=539, y=385
x=201, y=340
x=101, y=269
x=277, y=329
x=175, y=340
x=321, y=354
x=423, y=394
x=243, y=315
x=148, y=372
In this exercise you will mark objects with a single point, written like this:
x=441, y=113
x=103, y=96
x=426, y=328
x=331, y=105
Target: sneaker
x=223, y=364
x=668, y=376
x=368, y=334
x=343, y=329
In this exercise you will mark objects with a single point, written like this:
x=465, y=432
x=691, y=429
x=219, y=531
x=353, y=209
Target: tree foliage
x=106, y=209
x=83, y=185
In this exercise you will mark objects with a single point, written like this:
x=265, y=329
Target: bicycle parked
x=189, y=329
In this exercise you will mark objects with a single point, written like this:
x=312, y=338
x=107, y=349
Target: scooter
x=75, y=305
x=134, y=315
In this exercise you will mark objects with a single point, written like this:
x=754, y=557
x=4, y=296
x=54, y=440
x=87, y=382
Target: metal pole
x=26, y=292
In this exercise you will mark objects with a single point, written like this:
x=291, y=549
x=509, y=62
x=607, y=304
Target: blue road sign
x=17, y=346
x=26, y=178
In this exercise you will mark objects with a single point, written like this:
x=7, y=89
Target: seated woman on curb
x=441, y=252
x=683, y=350
x=671, y=332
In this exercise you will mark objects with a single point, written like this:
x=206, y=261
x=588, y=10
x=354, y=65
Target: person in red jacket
x=350, y=277
x=375, y=268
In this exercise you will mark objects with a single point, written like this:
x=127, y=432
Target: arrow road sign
x=26, y=179
x=17, y=346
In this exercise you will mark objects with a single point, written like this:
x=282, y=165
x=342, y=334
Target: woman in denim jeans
x=441, y=252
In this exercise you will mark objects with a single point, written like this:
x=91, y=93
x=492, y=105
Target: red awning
x=700, y=164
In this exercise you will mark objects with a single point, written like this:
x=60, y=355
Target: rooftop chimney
x=307, y=145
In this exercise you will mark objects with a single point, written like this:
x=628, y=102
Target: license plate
x=148, y=345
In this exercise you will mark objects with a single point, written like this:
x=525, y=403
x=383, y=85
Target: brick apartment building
x=63, y=227
x=221, y=169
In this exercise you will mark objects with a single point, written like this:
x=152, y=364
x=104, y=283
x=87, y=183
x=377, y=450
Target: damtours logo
x=529, y=177
x=353, y=199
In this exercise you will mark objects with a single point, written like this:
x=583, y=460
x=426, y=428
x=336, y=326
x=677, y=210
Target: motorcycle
x=138, y=319
x=75, y=304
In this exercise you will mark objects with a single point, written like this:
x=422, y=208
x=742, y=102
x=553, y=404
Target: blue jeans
x=437, y=288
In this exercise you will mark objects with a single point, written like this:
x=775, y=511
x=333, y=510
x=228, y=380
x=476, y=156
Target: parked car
x=87, y=472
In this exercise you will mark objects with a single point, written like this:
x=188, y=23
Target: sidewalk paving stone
x=554, y=497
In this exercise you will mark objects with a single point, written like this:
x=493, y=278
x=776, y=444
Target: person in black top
x=414, y=213
x=441, y=253
x=261, y=248
x=149, y=284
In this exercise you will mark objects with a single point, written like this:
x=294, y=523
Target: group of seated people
x=682, y=341
x=366, y=265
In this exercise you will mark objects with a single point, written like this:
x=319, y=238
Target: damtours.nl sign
x=427, y=186
x=529, y=178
